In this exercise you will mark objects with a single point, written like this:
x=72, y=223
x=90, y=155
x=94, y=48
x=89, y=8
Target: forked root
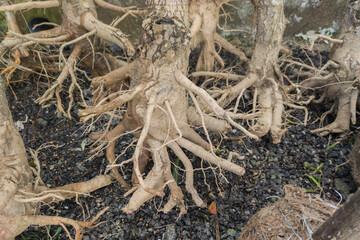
x=271, y=107
x=205, y=18
x=56, y=87
x=189, y=184
x=343, y=117
x=219, y=111
x=13, y=225
x=47, y=195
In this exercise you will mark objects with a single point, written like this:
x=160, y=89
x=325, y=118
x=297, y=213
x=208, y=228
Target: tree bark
x=344, y=224
x=354, y=160
x=15, y=172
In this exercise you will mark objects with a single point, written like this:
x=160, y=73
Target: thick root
x=342, y=82
x=13, y=225
x=189, y=184
x=268, y=101
x=342, y=121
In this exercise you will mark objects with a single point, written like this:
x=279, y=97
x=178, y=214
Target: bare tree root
x=189, y=184
x=77, y=19
x=157, y=102
x=268, y=96
x=211, y=158
x=57, y=86
x=13, y=225
x=341, y=84
x=230, y=48
x=30, y=5
x=109, y=33
x=47, y=195
x=110, y=154
x=344, y=114
x=117, y=101
x=113, y=78
x=204, y=15
x=219, y=111
x=20, y=193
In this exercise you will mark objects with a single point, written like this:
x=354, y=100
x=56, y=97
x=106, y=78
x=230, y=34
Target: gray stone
x=170, y=232
x=42, y=122
x=342, y=187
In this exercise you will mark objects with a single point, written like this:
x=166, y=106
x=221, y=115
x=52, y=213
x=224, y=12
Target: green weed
x=315, y=177
x=34, y=236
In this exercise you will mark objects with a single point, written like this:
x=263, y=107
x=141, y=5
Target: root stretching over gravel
x=158, y=109
x=162, y=103
x=340, y=82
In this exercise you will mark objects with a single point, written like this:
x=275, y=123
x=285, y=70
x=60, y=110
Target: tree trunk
x=15, y=173
x=341, y=83
x=354, y=160
x=158, y=112
x=268, y=98
x=344, y=224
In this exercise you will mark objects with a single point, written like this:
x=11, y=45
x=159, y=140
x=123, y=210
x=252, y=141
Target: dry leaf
x=212, y=208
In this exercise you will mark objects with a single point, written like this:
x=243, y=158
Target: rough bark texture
x=344, y=223
x=268, y=100
x=16, y=179
x=158, y=111
x=354, y=160
x=15, y=173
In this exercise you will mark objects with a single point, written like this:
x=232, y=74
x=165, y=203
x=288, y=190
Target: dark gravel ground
x=268, y=168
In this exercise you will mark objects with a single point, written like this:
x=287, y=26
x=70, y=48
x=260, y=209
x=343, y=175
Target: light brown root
x=263, y=124
x=110, y=154
x=139, y=146
x=177, y=197
x=154, y=180
x=277, y=131
x=271, y=107
x=29, y=5
x=107, y=32
x=227, y=76
x=221, y=113
x=230, y=48
x=143, y=160
x=317, y=82
x=301, y=108
x=47, y=195
x=342, y=121
x=103, y=107
x=207, y=156
x=234, y=91
x=112, y=7
x=353, y=103
x=20, y=222
x=57, y=86
x=333, y=40
x=205, y=17
x=113, y=78
x=13, y=26
x=189, y=184
x=192, y=136
x=211, y=123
